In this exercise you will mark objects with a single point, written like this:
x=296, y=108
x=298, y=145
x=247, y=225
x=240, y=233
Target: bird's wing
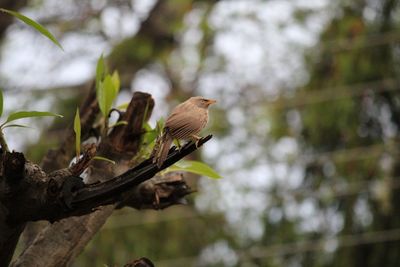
x=182, y=125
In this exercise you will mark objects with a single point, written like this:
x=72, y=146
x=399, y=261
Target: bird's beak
x=211, y=101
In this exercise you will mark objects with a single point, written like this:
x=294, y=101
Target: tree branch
x=74, y=198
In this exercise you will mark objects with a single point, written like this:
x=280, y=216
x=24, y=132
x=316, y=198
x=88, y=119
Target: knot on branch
x=160, y=192
x=52, y=189
x=69, y=188
x=13, y=167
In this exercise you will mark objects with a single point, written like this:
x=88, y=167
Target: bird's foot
x=196, y=139
x=178, y=144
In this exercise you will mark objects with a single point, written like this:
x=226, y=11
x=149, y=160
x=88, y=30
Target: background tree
x=305, y=134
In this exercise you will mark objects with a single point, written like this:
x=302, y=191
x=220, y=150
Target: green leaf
x=1, y=102
x=115, y=81
x=77, y=130
x=118, y=124
x=196, y=167
x=147, y=127
x=104, y=159
x=100, y=71
x=146, y=110
x=29, y=114
x=149, y=137
x=40, y=28
x=123, y=106
x=150, y=134
x=106, y=95
x=17, y=126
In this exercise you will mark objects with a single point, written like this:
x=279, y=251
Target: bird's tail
x=161, y=149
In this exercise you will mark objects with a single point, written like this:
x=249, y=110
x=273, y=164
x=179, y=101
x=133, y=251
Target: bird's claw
x=178, y=145
x=196, y=140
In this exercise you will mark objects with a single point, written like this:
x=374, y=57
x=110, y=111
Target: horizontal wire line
x=343, y=155
x=328, y=94
x=351, y=154
x=323, y=243
x=338, y=189
x=361, y=41
x=285, y=249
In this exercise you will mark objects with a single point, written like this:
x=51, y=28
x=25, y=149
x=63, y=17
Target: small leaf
x=77, y=130
x=146, y=110
x=149, y=137
x=147, y=127
x=123, y=106
x=40, y=28
x=150, y=134
x=104, y=159
x=196, y=167
x=101, y=99
x=29, y=114
x=106, y=95
x=1, y=102
x=100, y=71
x=116, y=82
x=17, y=126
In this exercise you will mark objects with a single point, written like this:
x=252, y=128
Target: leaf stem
x=105, y=130
x=3, y=142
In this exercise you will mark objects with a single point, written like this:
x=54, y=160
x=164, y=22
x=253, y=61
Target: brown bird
x=185, y=122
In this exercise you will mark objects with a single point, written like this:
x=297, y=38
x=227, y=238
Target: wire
x=328, y=94
x=342, y=155
x=328, y=191
x=361, y=41
x=337, y=190
x=324, y=244
x=279, y=250
x=352, y=154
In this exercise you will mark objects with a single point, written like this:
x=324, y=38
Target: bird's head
x=202, y=102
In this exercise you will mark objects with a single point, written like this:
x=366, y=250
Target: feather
x=186, y=120
x=163, y=152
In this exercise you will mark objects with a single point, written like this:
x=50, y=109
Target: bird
x=184, y=123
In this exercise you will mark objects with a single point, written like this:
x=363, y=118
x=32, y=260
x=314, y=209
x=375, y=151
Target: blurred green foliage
x=349, y=53
x=346, y=132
